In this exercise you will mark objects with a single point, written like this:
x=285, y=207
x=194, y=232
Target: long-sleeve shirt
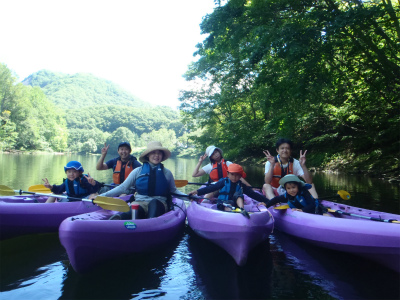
x=221, y=183
x=84, y=183
x=130, y=182
x=285, y=198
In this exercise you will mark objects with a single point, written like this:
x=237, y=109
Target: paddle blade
x=344, y=195
x=6, y=191
x=285, y=206
x=181, y=183
x=39, y=188
x=111, y=203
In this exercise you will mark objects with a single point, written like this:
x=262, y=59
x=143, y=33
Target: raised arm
x=269, y=174
x=197, y=171
x=307, y=176
x=100, y=164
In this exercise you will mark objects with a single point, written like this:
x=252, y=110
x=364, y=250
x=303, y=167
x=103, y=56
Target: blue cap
x=126, y=144
x=73, y=164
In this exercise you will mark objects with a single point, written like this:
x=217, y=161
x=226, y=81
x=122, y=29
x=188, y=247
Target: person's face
x=124, y=152
x=292, y=189
x=284, y=150
x=234, y=177
x=216, y=156
x=155, y=157
x=72, y=174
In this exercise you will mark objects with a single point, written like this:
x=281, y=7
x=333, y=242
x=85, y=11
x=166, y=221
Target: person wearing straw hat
x=153, y=183
x=231, y=189
x=297, y=196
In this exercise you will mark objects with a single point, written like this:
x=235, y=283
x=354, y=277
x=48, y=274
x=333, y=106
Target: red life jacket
x=218, y=171
x=280, y=172
x=127, y=168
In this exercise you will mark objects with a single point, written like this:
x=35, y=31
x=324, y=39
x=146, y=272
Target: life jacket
x=218, y=171
x=280, y=172
x=128, y=167
x=224, y=192
x=300, y=200
x=152, y=181
x=79, y=191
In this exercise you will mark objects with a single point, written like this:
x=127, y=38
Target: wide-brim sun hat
x=73, y=164
x=290, y=178
x=235, y=168
x=210, y=150
x=153, y=146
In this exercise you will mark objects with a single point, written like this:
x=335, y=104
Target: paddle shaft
x=52, y=195
x=364, y=217
x=197, y=197
x=199, y=183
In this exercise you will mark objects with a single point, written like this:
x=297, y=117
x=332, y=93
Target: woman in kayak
x=77, y=184
x=153, y=183
x=297, y=196
x=231, y=189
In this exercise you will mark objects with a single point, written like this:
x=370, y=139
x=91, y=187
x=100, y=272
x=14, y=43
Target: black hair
x=299, y=185
x=283, y=141
x=146, y=157
x=213, y=161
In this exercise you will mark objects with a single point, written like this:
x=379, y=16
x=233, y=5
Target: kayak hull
x=233, y=232
x=375, y=240
x=92, y=238
x=22, y=215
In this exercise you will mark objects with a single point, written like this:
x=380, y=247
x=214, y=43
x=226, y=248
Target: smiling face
x=216, y=156
x=292, y=188
x=124, y=153
x=234, y=177
x=155, y=157
x=72, y=174
x=284, y=151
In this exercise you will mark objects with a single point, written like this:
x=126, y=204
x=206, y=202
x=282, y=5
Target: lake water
x=37, y=267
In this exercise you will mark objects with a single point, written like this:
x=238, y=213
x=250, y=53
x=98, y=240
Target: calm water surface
x=37, y=267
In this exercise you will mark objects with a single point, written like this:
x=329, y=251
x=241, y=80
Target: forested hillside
x=323, y=73
x=78, y=90
x=79, y=113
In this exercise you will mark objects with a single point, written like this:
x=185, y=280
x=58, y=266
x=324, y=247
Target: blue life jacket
x=300, y=199
x=152, y=181
x=224, y=192
x=79, y=191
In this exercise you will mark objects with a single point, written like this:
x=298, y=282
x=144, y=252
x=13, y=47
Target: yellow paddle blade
x=285, y=206
x=39, y=188
x=111, y=203
x=6, y=191
x=180, y=183
x=344, y=195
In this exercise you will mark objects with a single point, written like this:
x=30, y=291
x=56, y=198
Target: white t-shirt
x=297, y=170
x=208, y=168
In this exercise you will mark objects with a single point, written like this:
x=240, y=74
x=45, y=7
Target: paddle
x=104, y=202
x=40, y=188
x=182, y=183
x=364, y=217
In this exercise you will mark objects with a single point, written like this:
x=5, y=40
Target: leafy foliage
x=323, y=73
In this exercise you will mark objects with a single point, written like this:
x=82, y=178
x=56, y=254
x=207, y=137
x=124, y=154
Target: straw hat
x=290, y=178
x=152, y=146
x=210, y=150
x=235, y=168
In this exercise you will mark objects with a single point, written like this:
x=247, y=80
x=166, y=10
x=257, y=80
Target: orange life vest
x=218, y=171
x=127, y=168
x=279, y=171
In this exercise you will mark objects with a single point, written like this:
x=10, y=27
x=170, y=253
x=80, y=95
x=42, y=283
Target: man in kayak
x=77, y=184
x=122, y=165
x=283, y=164
x=231, y=189
x=296, y=196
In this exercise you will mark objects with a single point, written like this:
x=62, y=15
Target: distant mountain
x=81, y=89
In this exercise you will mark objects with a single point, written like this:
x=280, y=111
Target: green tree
x=122, y=134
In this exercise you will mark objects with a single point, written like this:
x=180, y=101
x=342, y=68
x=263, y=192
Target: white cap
x=210, y=150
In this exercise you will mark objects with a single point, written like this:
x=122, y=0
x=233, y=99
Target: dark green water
x=37, y=267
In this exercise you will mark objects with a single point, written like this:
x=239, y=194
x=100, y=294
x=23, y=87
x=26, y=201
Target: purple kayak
x=233, y=232
x=21, y=215
x=92, y=238
x=350, y=230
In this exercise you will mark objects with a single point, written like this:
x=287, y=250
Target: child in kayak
x=77, y=184
x=297, y=196
x=231, y=189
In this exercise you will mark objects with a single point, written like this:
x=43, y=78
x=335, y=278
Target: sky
x=143, y=46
